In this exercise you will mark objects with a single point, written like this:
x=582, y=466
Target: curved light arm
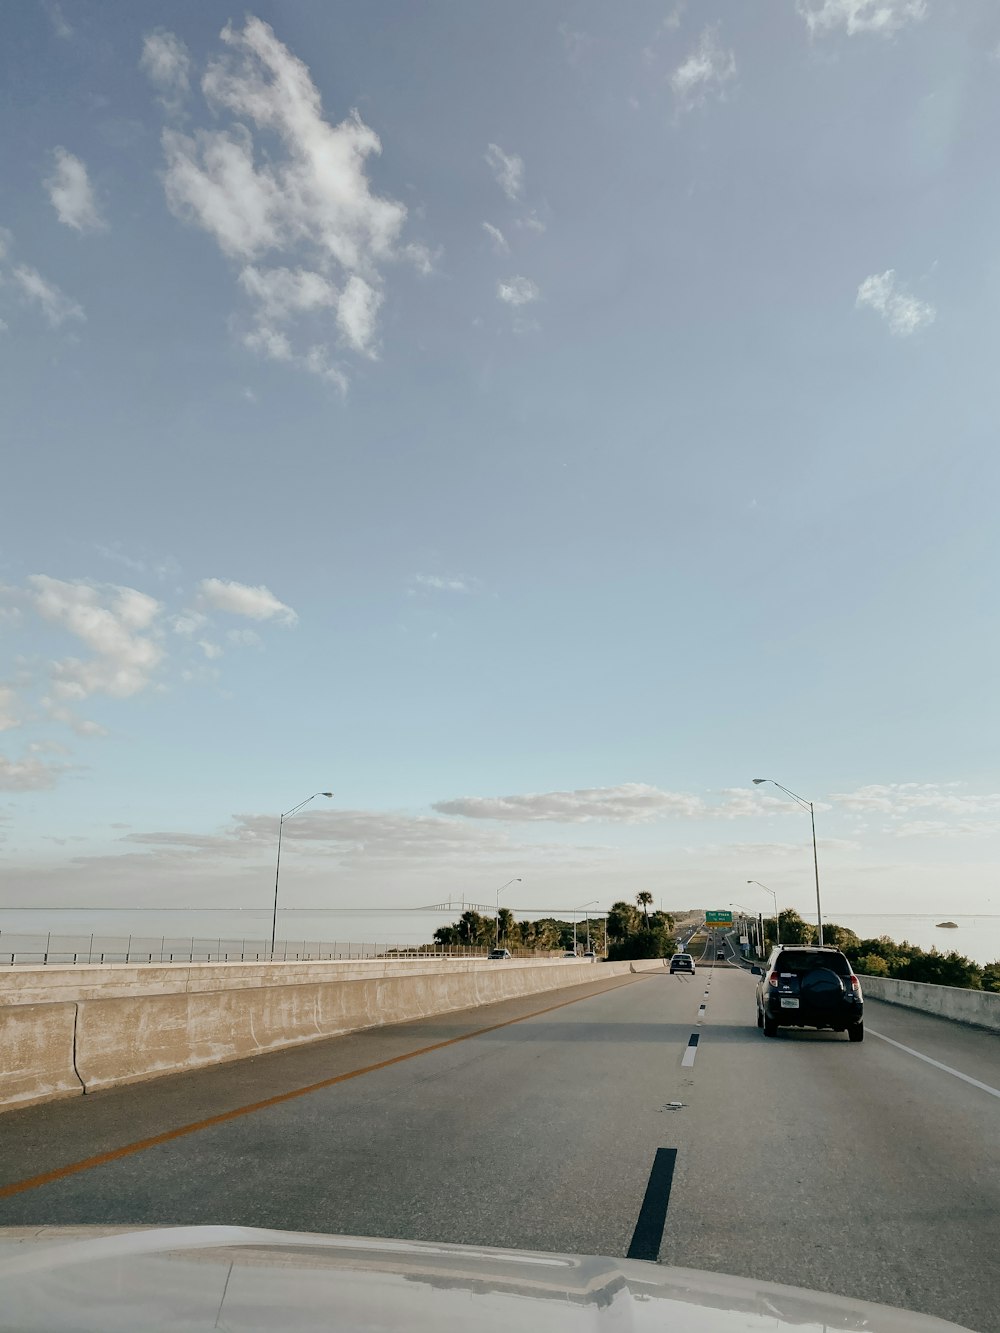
x=806, y=805
x=295, y=808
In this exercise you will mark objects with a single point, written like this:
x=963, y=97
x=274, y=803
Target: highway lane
x=857, y=1169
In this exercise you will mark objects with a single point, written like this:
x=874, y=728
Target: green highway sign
x=718, y=920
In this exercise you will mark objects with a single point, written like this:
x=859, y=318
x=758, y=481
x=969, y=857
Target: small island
x=947, y=925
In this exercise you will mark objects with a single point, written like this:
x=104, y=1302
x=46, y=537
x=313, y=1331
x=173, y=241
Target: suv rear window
x=804, y=960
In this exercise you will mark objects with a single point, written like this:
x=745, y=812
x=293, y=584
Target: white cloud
x=882, y=17
x=71, y=193
x=508, y=170
x=357, y=835
x=27, y=774
x=111, y=622
x=517, y=291
x=707, y=69
x=309, y=200
x=167, y=64
x=211, y=650
x=900, y=798
x=940, y=828
x=903, y=313
x=54, y=304
x=280, y=293
x=240, y=600
x=630, y=803
x=455, y=583
x=357, y=313
x=497, y=237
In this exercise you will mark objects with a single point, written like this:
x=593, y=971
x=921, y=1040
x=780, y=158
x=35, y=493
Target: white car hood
x=240, y=1279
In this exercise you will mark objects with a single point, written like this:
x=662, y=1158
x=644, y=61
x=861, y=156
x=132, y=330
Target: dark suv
x=809, y=987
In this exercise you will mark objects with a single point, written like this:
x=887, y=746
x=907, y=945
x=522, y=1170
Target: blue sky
x=529, y=421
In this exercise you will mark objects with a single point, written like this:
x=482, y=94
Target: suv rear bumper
x=839, y=1017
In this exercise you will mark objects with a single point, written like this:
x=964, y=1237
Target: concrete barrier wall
x=979, y=1008
x=98, y=981
x=36, y=1054
x=140, y=1034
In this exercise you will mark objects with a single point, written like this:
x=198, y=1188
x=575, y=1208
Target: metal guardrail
x=69, y=950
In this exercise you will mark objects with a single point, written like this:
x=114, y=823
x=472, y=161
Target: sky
x=529, y=422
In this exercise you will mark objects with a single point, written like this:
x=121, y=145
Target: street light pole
x=746, y=921
x=806, y=805
x=277, y=864
x=499, y=891
x=583, y=908
x=777, y=920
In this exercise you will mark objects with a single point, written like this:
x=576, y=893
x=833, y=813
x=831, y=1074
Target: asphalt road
x=582, y=1121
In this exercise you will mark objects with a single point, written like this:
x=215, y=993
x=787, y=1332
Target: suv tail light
x=773, y=979
x=855, y=985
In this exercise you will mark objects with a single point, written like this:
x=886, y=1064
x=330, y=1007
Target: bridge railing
x=53, y=949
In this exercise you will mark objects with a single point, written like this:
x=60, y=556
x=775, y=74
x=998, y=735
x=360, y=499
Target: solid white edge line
x=984, y=1087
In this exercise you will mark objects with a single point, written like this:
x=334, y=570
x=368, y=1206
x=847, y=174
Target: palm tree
x=644, y=899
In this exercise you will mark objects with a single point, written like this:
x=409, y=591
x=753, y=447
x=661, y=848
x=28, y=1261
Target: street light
x=277, y=865
x=499, y=891
x=593, y=903
x=777, y=920
x=747, y=919
x=806, y=805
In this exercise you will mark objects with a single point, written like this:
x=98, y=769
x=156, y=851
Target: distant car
x=682, y=962
x=720, y=953
x=590, y=956
x=810, y=987
x=499, y=953
x=570, y=954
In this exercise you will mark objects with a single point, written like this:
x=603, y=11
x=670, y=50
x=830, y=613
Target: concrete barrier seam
x=76, y=1022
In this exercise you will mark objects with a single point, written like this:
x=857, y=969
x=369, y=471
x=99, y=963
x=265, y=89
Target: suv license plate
x=787, y=1002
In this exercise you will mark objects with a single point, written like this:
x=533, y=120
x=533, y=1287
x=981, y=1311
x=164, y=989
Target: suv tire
x=771, y=1028
x=760, y=1018
x=856, y=1031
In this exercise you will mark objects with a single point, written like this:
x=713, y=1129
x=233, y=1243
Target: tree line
x=633, y=931
x=885, y=957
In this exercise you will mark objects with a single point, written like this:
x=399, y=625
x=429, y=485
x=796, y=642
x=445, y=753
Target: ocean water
x=978, y=937
x=235, y=927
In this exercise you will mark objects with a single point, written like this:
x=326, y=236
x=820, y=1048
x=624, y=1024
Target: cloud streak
x=508, y=171
x=286, y=194
x=239, y=599
x=517, y=291
x=883, y=18
x=56, y=307
x=71, y=193
x=705, y=72
x=902, y=312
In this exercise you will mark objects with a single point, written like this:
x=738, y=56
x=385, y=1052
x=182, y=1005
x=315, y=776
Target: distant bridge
x=460, y=906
